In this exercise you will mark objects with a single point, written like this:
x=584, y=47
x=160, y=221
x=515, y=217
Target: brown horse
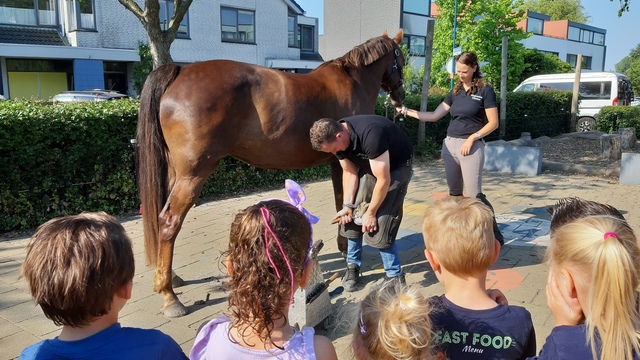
x=193, y=116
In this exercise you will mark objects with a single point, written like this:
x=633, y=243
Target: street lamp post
x=453, y=46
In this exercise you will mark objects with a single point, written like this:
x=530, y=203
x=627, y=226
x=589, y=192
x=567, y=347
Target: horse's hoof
x=175, y=310
x=176, y=281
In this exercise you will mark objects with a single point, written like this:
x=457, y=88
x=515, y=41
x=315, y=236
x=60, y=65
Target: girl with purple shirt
x=268, y=259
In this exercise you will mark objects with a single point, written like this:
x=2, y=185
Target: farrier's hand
x=369, y=222
x=465, y=149
x=343, y=216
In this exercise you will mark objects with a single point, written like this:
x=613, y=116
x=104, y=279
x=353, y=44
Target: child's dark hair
x=75, y=264
x=261, y=282
x=572, y=208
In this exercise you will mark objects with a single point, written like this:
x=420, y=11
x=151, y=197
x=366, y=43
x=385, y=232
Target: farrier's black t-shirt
x=468, y=111
x=371, y=136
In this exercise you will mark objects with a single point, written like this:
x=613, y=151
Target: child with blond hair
x=268, y=259
x=468, y=323
x=393, y=323
x=592, y=290
x=79, y=269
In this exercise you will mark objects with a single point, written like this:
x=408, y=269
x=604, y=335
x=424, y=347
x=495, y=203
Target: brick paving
x=520, y=202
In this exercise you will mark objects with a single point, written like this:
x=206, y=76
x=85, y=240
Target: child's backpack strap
x=307, y=335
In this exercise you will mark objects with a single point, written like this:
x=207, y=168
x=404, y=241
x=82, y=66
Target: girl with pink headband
x=267, y=260
x=592, y=290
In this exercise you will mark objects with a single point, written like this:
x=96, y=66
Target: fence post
x=526, y=123
x=615, y=122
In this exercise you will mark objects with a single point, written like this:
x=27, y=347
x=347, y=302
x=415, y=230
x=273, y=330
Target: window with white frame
x=166, y=13
x=81, y=14
x=238, y=25
x=28, y=12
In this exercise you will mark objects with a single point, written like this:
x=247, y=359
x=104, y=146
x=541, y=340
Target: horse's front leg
x=336, y=180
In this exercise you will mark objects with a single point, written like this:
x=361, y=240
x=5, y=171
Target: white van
x=597, y=89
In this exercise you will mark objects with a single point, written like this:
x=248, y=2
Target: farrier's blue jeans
x=390, y=257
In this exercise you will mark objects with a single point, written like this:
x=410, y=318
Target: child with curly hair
x=393, y=323
x=268, y=259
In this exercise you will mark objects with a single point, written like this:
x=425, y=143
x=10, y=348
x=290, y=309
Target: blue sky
x=622, y=33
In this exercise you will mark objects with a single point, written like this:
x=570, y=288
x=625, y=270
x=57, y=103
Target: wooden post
x=503, y=87
x=426, y=79
x=574, y=98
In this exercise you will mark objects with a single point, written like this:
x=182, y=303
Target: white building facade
x=93, y=44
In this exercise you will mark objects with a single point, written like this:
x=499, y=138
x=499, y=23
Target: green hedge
x=611, y=118
x=539, y=113
x=65, y=158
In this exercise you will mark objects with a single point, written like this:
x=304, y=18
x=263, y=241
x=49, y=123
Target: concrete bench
x=630, y=169
x=502, y=156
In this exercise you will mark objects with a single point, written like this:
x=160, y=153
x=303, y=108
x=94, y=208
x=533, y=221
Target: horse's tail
x=153, y=156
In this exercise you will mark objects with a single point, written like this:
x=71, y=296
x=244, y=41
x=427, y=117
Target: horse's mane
x=365, y=54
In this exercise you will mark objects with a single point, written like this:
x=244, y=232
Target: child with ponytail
x=268, y=259
x=592, y=290
x=393, y=323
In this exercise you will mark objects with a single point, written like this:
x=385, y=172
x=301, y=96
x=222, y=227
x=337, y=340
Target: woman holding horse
x=474, y=115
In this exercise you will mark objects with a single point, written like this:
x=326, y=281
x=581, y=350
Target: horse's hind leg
x=183, y=195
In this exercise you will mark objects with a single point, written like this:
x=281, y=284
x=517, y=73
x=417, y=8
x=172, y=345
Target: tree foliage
x=142, y=68
x=480, y=27
x=412, y=78
x=630, y=66
x=537, y=63
x=559, y=9
x=159, y=40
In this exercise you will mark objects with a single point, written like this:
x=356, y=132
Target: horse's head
x=393, y=77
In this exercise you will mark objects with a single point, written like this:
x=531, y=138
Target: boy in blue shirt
x=468, y=324
x=79, y=269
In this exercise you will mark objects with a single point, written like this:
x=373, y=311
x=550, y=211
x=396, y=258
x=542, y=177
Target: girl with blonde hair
x=592, y=291
x=393, y=323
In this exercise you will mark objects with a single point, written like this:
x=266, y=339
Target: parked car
x=89, y=95
x=635, y=101
x=597, y=89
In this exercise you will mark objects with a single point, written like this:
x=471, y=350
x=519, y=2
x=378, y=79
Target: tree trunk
x=159, y=41
x=158, y=46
